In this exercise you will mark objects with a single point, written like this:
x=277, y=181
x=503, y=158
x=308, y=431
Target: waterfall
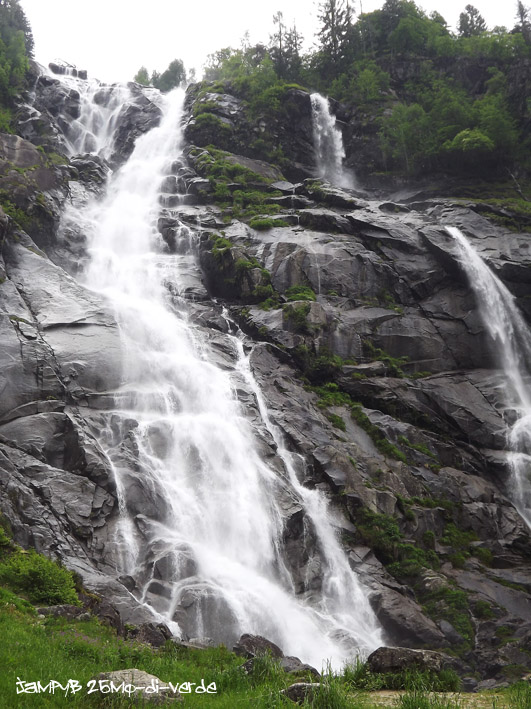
x=510, y=332
x=100, y=105
x=202, y=514
x=328, y=143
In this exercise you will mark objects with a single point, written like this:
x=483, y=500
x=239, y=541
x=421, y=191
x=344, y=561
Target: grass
x=262, y=223
x=358, y=676
x=394, y=364
x=294, y=293
x=34, y=650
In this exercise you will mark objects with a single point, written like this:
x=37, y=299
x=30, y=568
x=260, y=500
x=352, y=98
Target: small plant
x=221, y=246
x=419, y=447
x=331, y=395
x=336, y=421
x=394, y=364
x=17, y=215
x=297, y=317
x=378, y=438
x=450, y=604
x=484, y=555
x=428, y=539
x=300, y=293
x=483, y=610
x=263, y=223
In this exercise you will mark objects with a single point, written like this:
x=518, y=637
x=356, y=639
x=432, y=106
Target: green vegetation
x=378, y=438
x=393, y=364
x=317, y=367
x=299, y=292
x=16, y=48
x=403, y=560
x=220, y=246
x=174, y=75
x=336, y=421
x=39, y=579
x=263, y=223
x=441, y=101
x=483, y=610
x=419, y=447
x=238, y=190
x=519, y=695
x=451, y=604
x=331, y=395
x=360, y=677
x=297, y=317
x=18, y=215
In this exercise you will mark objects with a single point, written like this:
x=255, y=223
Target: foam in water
x=201, y=515
x=328, y=143
x=510, y=332
x=100, y=104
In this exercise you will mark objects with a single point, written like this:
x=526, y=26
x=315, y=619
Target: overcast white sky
x=113, y=38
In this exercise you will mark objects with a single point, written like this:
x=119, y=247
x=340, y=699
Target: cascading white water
x=512, y=338
x=203, y=538
x=328, y=143
x=100, y=104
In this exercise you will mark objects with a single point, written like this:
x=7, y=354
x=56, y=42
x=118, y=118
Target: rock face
x=380, y=376
x=227, y=122
x=397, y=659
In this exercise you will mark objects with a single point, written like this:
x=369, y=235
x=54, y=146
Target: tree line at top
x=16, y=48
x=438, y=98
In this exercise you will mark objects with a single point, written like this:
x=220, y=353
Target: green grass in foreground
x=35, y=649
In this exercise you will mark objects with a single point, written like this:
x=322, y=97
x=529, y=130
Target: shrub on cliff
x=38, y=578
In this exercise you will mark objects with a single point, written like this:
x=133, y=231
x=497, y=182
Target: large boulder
x=398, y=659
x=254, y=645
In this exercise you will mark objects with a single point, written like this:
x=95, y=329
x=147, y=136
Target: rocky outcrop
x=33, y=187
x=136, y=118
x=257, y=132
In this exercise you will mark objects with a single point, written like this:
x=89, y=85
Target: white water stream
x=512, y=339
x=328, y=142
x=202, y=516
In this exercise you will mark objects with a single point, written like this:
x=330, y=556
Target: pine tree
x=13, y=19
x=336, y=20
x=284, y=50
x=471, y=23
x=524, y=23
